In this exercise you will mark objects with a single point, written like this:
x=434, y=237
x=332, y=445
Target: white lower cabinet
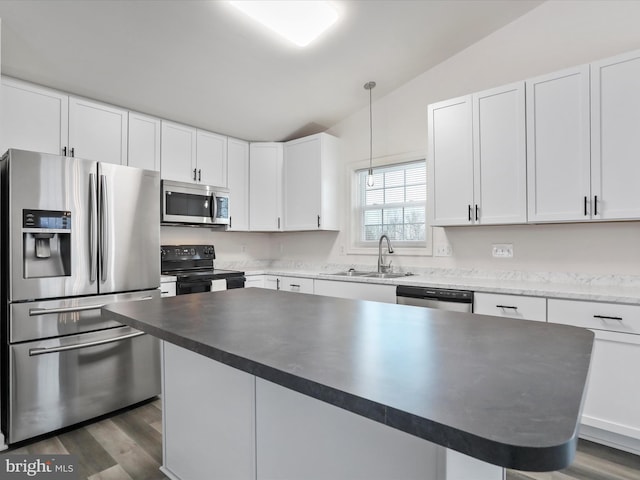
x=168, y=289
x=512, y=306
x=358, y=291
x=611, y=414
x=208, y=416
x=254, y=281
x=290, y=284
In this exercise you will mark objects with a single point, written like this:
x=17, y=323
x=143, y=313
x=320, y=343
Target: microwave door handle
x=214, y=208
x=93, y=228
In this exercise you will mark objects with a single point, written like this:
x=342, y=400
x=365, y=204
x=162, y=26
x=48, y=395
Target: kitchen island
x=271, y=384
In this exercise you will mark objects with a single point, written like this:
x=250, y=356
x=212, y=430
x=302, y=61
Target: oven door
x=185, y=286
x=187, y=203
x=62, y=381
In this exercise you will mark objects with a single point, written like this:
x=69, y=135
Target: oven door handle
x=76, y=346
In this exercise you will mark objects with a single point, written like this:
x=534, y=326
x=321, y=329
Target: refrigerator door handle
x=104, y=234
x=93, y=228
x=33, y=312
x=76, y=346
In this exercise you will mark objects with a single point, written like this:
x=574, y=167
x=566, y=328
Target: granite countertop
x=503, y=391
x=565, y=286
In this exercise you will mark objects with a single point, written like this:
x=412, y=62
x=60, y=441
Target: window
x=395, y=205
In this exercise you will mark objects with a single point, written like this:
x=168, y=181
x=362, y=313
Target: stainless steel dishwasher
x=440, y=298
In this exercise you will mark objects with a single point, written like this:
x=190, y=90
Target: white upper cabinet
x=311, y=183
x=178, y=153
x=265, y=186
x=97, y=131
x=238, y=182
x=500, y=162
x=211, y=158
x=558, y=154
x=615, y=137
x=478, y=158
x=144, y=142
x=451, y=161
x=33, y=118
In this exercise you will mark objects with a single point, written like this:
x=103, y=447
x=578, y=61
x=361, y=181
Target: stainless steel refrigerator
x=76, y=234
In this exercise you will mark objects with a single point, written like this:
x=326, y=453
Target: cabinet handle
x=73, y=151
x=585, y=206
x=469, y=210
x=277, y=284
x=230, y=217
x=194, y=174
x=477, y=212
x=511, y=307
x=606, y=317
x=293, y=285
x=64, y=151
x=199, y=174
x=595, y=205
x=318, y=221
x=278, y=222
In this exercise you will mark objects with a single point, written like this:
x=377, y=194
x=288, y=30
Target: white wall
x=556, y=35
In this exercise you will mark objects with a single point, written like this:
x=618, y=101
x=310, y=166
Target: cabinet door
x=500, y=163
x=358, y=291
x=33, y=118
x=558, y=175
x=296, y=284
x=144, y=142
x=97, y=131
x=167, y=289
x=211, y=155
x=451, y=161
x=614, y=385
x=272, y=282
x=615, y=117
x=265, y=186
x=254, y=281
x=238, y=182
x=178, y=152
x=512, y=306
x=302, y=179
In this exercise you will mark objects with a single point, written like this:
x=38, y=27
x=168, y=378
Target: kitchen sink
x=356, y=273
x=387, y=275
x=351, y=273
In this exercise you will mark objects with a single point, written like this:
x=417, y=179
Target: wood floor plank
x=114, y=473
x=51, y=445
x=157, y=426
x=141, y=432
x=92, y=457
x=129, y=455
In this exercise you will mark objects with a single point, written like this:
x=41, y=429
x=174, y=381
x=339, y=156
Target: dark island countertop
x=508, y=392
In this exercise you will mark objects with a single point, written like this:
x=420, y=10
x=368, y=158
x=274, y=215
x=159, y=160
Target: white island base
x=220, y=423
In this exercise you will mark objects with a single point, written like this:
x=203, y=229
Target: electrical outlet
x=443, y=250
x=502, y=250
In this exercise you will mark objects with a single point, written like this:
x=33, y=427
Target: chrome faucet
x=382, y=268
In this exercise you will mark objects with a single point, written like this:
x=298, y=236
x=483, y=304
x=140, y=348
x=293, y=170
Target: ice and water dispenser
x=46, y=236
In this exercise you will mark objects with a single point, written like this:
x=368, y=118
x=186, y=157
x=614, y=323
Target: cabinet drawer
x=512, y=306
x=168, y=289
x=600, y=316
x=296, y=284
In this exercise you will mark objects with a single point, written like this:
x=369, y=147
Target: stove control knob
x=193, y=251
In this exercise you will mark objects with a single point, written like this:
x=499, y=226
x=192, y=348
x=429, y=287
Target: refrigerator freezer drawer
x=59, y=382
x=69, y=316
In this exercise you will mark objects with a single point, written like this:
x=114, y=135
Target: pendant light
x=369, y=86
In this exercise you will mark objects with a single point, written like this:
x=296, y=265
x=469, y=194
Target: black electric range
x=193, y=267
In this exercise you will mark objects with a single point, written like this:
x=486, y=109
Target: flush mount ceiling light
x=300, y=22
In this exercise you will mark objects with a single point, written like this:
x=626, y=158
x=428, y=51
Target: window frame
x=356, y=247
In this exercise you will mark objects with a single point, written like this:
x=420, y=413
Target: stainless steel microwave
x=194, y=204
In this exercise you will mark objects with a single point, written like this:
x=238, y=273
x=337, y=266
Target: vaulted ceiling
x=201, y=63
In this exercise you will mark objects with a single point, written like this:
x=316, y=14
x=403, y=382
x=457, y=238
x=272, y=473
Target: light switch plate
x=502, y=250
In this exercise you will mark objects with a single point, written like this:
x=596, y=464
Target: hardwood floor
x=128, y=446
x=123, y=446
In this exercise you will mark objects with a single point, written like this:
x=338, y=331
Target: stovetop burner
x=192, y=261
